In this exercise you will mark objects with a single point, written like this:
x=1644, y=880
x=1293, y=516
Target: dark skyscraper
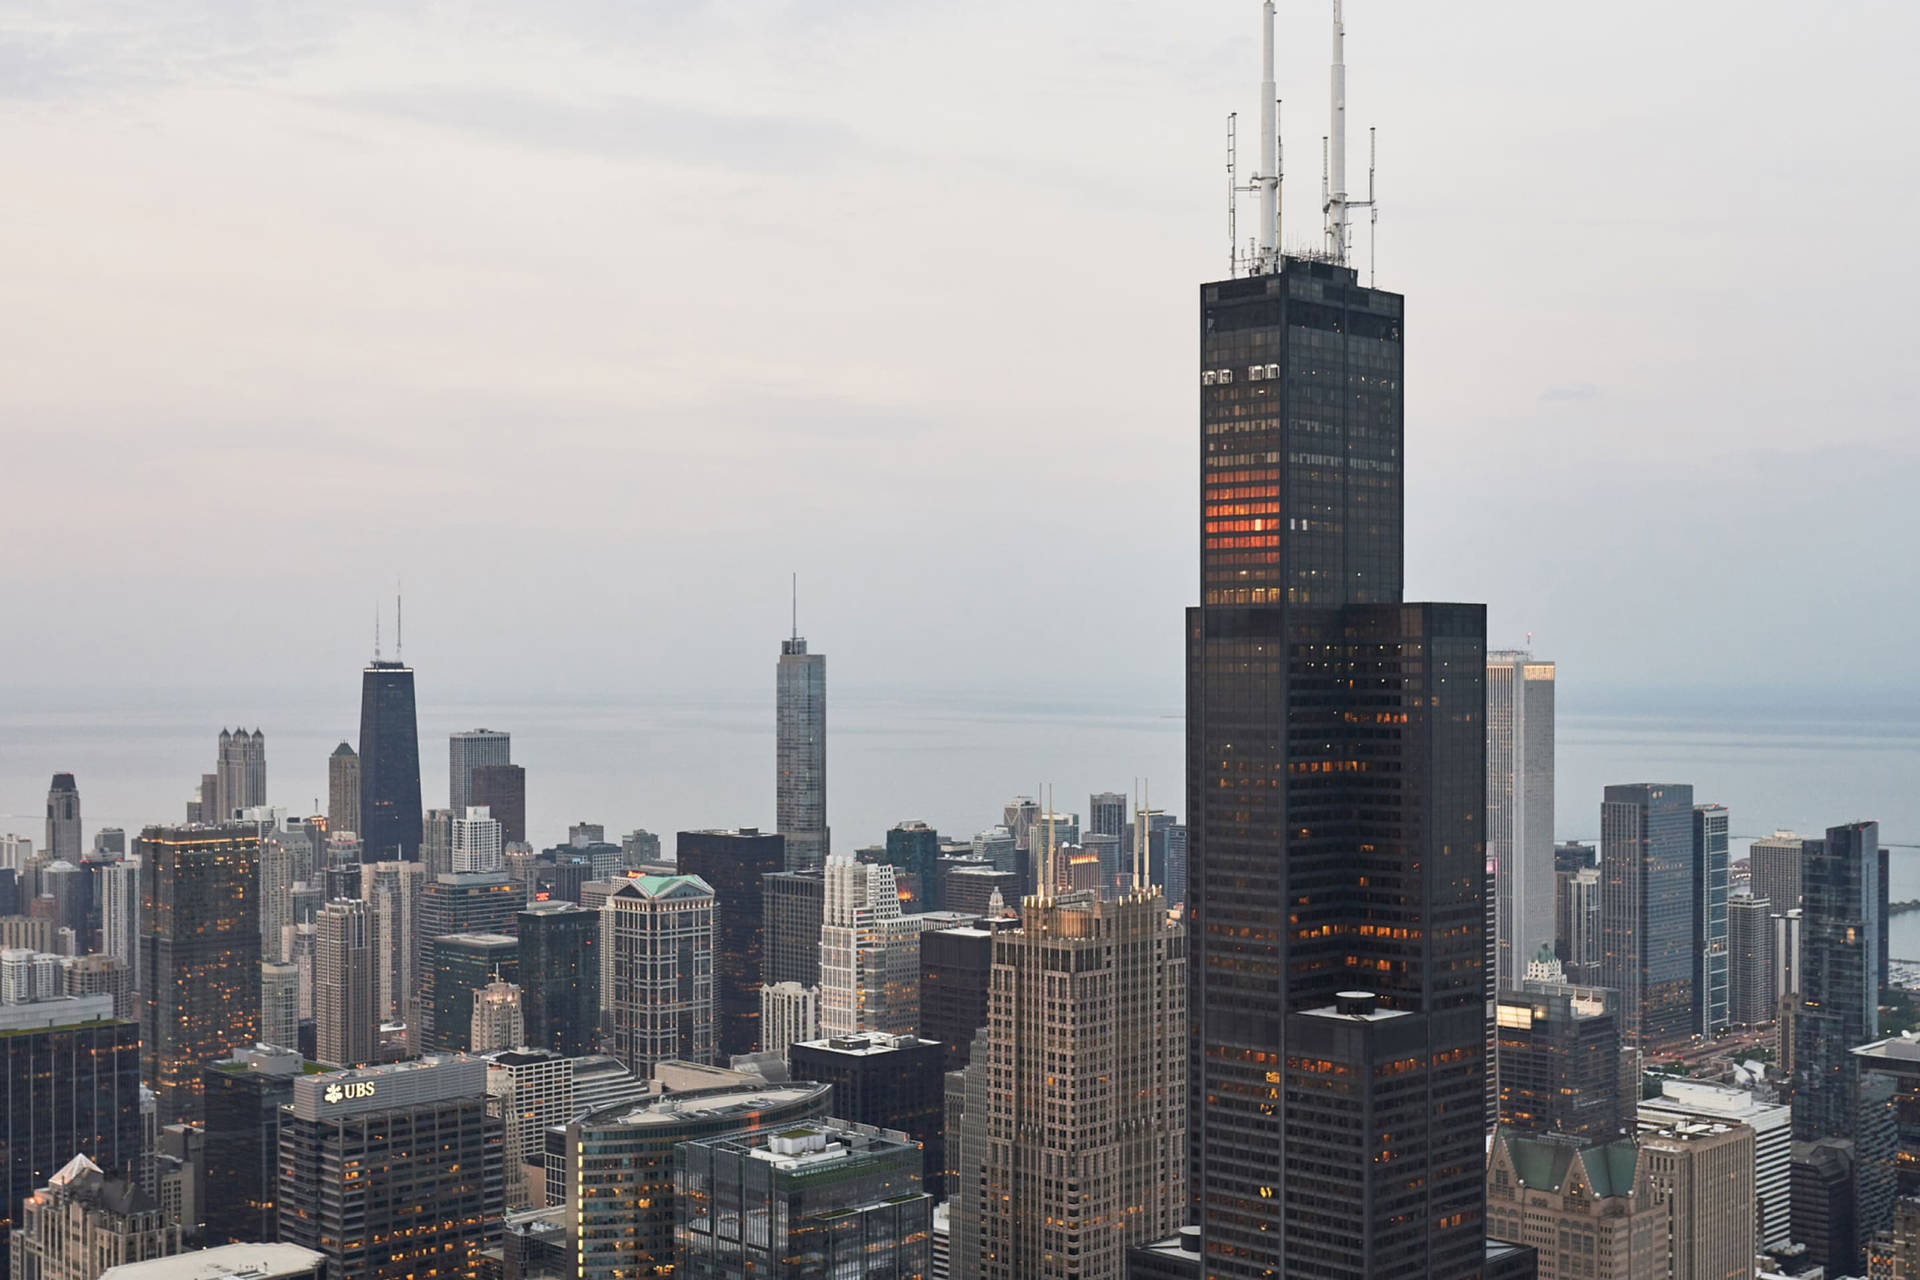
x=1649, y=892
x=200, y=953
x=732, y=863
x=502, y=788
x=560, y=977
x=389, y=764
x=1711, y=982
x=242, y=1100
x=1559, y=1049
x=791, y=912
x=1839, y=978
x=63, y=820
x=1336, y=794
x=893, y=1082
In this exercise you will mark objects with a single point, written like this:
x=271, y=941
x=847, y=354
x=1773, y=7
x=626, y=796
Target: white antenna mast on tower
x=1338, y=205
x=376, y=631
x=399, y=625
x=1263, y=253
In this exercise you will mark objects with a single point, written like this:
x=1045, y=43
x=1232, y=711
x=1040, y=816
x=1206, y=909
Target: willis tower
x=1336, y=786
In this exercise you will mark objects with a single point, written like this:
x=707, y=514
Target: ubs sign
x=351, y=1091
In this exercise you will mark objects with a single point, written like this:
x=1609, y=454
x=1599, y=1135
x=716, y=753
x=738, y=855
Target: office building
x=390, y=827
x=789, y=1014
x=1751, y=969
x=63, y=821
x=1519, y=807
x=1577, y=935
x=458, y=966
x=560, y=977
x=201, y=955
x=280, y=1015
x=869, y=953
x=1839, y=1005
x=1823, y=1205
x=1786, y=952
x=1774, y=867
x=533, y=1089
x=436, y=843
x=1683, y=1102
x=1558, y=1051
x=1700, y=1179
x=732, y=864
x=1583, y=1207
x=109, y=844
x=476, y=844
x=501, y=789
x=1710, y=927
x=996, y=845
x=914, y=847
x=392, y=1171
x=800, y=754
x=836, y=1200
x=892, y=1082
x=242, y=1097
x=1885, y=1110
x=616, y=1166
x=343, y=1005
x=657, y=980
x=956, y=966
x=84, y=1221
x=250, y=1261
x=239, y=775
x=973, y=889
x=1082, y=1067
x=473, y=902
x=497, y=1021
x=392, y=891
x=1648, y=896
x=343, y=789
x=793, y=905
x=469, y=751
x=72, y=1076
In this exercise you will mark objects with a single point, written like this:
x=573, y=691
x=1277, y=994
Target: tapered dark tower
x=1337, y=791
x=389, y=764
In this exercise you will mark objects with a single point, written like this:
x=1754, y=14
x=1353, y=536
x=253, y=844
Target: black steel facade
x=733, y=864
x=560, y=978
x=390, y=809
x=1336, y=797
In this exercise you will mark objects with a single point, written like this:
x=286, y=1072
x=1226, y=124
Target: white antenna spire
x=1337, y=144
x=796, y=604
x=399, y=625
x=376, y=631
x=1267, y=177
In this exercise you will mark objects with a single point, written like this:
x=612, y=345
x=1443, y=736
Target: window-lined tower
x=801, y=753
x=1336, y=793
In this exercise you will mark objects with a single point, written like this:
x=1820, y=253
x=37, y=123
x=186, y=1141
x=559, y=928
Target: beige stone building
x=1584, y=1209
x=1701, y=1179
x=83, y=1222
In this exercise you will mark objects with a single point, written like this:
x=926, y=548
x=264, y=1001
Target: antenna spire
x=796, y=604
x=376, y=631
x=399, y=635
x=1337, y=143
x=1267, y=177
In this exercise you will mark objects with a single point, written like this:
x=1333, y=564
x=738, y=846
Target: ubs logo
x=348, y=1092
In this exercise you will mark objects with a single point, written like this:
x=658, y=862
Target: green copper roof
x=1543, y=1165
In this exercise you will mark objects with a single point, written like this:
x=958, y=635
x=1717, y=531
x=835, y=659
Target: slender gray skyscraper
x=469, y=751
x=343, y=983
x=63, y=820
x=343, y=790
x=1710, y=930
x=1520, y=808
x=801, y=763
x=1648, y=896
x=239, y=773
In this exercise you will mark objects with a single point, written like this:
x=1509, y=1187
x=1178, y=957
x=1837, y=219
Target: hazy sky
x=593, y=319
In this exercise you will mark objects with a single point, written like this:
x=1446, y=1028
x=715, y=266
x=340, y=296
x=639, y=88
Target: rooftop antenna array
x=1335, y=201
x=796, y=604
x=399, y=623
x=376, y=631
x=1262, y=256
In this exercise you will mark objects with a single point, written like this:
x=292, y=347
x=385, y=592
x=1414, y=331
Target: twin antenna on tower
x=1262, y=253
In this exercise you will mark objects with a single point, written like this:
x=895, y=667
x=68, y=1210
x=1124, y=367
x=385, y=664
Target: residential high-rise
x=343, y=789
x=242, y=1097
x=501, y=789
x=1710, y=940
x=461, y=965
x=476, y=842
x=392, y=891
x=1699, y=1102
x=892, y=1082
x=800, y=764
x=1751, y=971
x=789, y=1014
x=1579, y=946
x=280, y=1007
x=560, y=977
x=1581, y=1206
x=343, y=986
x=732, y=864
x=118, y=887
x=793, y=906
x=834, y=1200
x=616, y=1167
x=71, y=1084
x=498, y=1020
x=1774, y=867
x=657, y=987
x=1559, y=1063
x=1786, y=951
x=869, y=953
x=1648, y=897
x=1336, y=789
x=84, y=1221
x=389, y=764
x=63, y=820
x=1520, y=807
x=200, y=955
x=99, y=975
x=392, y=1171
x=1839, y=1006
x=239, y=774
x=1700, y=1179
x=533, y=1089
x=1076, y=1126
x=469, y=751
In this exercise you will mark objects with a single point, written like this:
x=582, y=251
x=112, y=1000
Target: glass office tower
x=389, y=764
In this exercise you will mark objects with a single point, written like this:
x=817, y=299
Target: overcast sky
x=591, y=320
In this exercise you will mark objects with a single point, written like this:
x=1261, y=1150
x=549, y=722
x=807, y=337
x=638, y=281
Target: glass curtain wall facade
x=1337, y=789
x=390, y=809
x=1649, y=894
